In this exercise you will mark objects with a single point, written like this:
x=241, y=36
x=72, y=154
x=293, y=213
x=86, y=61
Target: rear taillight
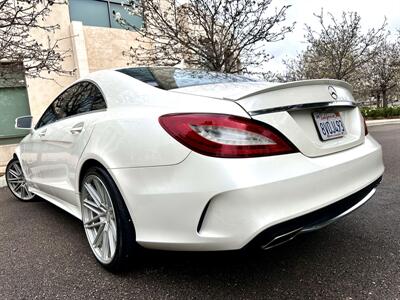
x=365, y=127
x=227, y=136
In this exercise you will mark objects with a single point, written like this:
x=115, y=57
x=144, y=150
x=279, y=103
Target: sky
x=372, y=15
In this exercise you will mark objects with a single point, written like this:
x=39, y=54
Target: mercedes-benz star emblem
x=332, y=92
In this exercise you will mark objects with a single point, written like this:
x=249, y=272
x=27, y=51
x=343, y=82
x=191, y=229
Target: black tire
x=126, y=246
x=20, y=197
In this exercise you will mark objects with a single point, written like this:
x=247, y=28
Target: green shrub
x=379, y=113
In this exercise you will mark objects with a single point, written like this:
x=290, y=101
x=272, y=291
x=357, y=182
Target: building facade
x=94, y=40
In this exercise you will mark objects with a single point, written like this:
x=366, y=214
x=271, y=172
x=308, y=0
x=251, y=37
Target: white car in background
x=190, y=160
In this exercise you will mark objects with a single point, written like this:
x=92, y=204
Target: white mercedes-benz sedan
x=181, y=159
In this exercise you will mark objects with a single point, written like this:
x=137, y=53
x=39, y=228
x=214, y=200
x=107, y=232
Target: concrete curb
x=383, y=122
x=3, y=181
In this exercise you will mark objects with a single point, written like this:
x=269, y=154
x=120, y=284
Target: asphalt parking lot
x=44, y=255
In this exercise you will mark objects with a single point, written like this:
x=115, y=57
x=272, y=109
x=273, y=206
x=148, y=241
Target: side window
x=80, y=98
x=47, y=118
x=85, y=98
x=58, y=109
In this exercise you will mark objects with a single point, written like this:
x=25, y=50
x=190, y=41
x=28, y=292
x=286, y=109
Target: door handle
x=42, y=133
x=77, y=128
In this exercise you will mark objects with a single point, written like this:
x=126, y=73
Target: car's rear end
x=321, y=119
x=301, y=159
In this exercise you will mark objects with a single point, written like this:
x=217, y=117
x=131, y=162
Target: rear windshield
x=171, y=78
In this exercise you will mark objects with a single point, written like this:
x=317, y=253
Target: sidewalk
x=383, y=122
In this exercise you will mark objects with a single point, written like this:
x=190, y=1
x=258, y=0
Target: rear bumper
x=283, y=232
x=210, y=204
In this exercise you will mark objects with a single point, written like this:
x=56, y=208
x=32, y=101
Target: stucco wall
x=105, y=46
x=41, y=92
x=6, y=153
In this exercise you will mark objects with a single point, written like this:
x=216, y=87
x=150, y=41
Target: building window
x=13, y=103
x=100, y=13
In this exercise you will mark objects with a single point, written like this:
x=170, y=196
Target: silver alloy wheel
x=98, y=218
x=17, y=183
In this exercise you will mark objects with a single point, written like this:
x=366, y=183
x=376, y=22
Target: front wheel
x=106, y=220
x=16, y=181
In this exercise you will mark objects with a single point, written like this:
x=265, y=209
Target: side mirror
x=24, y=122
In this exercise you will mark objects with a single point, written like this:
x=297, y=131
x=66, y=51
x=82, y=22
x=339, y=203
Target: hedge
x=380, y=113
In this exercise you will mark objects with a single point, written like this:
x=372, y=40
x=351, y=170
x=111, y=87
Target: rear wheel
x=16, y=181
x=106, y=220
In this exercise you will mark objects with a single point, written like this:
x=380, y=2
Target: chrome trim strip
x=351, y=209
x=303, y=106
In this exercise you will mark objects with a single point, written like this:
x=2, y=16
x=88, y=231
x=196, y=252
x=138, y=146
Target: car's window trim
x=68, y=117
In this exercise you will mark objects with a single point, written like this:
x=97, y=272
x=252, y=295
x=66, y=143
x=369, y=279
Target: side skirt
x=69, y=208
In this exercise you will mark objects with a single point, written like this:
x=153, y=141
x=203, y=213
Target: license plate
x=329, y=124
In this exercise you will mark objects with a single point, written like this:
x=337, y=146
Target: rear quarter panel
x=130, y=136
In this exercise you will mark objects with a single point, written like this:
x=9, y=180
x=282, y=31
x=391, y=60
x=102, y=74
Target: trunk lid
x=290, y=108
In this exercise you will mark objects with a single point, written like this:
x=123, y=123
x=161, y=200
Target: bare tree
x=217, y=35
x=382, y=73
x=299, y=68
x=19, y=51
x=340, y=48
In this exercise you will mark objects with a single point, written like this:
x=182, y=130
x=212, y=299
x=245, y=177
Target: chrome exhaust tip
x=281, y=239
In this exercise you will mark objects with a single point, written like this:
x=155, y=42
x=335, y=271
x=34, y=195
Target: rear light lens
x=365, y=127
x=226, y=136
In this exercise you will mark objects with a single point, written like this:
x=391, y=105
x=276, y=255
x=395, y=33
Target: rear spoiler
x=301, y=83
